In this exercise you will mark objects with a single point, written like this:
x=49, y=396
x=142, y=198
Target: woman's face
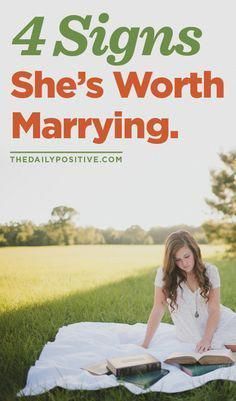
x=184, y=259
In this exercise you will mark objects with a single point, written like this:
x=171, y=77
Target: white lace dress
x=188, y=327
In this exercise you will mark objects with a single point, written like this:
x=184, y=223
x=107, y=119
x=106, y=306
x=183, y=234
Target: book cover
x=198, y=370
x=145, y=380
x=128, y=365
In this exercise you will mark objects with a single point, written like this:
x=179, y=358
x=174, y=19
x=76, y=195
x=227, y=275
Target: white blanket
x=82, y=344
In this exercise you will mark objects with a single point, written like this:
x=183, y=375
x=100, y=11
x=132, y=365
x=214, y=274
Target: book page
x=218, y=355
x=184, y=354
x=98, y=369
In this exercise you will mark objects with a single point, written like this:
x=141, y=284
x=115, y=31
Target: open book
x=98, y=369
x=206, y=358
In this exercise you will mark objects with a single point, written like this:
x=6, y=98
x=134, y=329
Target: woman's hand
x=203, y=345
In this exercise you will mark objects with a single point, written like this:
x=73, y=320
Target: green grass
x=44, y=288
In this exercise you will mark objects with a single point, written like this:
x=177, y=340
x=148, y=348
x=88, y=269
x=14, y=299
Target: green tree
x=159, y=234
x=61, y=229
x=25, y=232
x=136, y=235
x=112, y=236
x=62, y=214
x=224, y=202
x=89, y=235
x=3, y=241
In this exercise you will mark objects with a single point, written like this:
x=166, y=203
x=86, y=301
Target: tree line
x=61, y=230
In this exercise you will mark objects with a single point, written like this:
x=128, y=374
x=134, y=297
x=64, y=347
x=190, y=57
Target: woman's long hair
x=173, y=276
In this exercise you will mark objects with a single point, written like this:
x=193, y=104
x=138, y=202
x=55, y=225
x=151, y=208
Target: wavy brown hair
x=173, y=276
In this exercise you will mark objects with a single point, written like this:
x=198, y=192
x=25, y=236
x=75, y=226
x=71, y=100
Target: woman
x=192, y=291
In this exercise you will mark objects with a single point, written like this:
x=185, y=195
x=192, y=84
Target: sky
x=156, y=184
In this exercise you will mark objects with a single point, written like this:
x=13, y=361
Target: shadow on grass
x=25, y=331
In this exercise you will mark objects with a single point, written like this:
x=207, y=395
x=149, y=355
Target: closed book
x=145, y=380
x=198, y=370
x=132, y=364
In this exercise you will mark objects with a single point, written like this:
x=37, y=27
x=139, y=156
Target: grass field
x=44, y=288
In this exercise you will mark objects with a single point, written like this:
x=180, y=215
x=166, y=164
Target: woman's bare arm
x=212, y=321
x=155, y=317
